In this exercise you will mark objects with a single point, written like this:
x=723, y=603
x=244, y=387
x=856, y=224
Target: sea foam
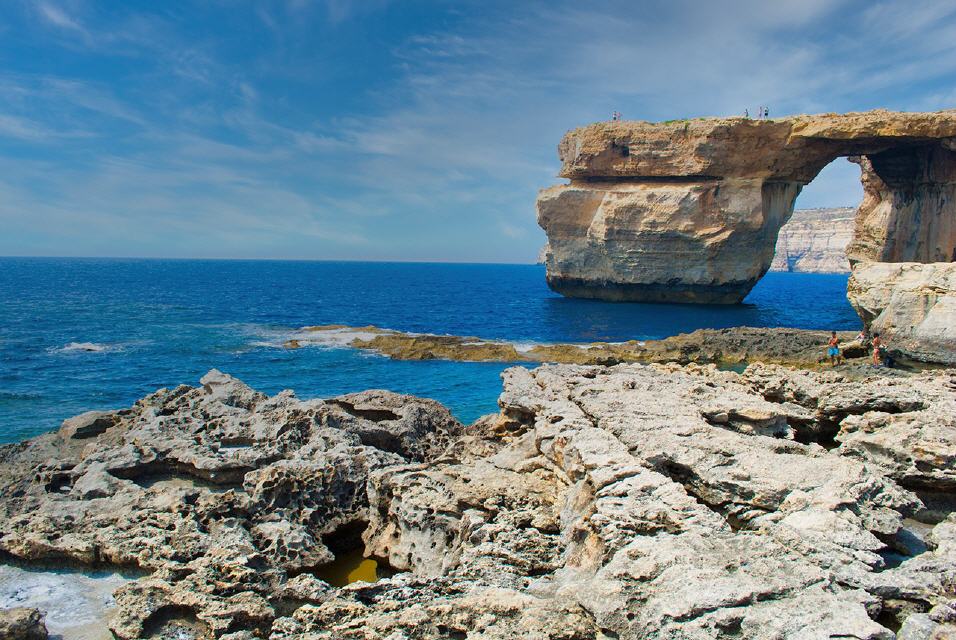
x=76, y=604
x=89, y=347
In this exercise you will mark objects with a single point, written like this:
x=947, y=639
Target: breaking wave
x=89, y=347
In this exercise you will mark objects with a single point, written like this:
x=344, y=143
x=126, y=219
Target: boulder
x=87, y=425
x=911, y=305
x=22, y=623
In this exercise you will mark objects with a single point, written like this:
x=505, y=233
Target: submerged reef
x=629, y=501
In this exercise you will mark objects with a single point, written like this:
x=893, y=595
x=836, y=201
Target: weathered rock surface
x=675, y=502
x=907, y=213
x=624, y=502
x=689, y=211
x=815, y=241
x=22, y=623
x=221, y=493
x=912, y=305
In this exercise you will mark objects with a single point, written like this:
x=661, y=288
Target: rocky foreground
x=630, y=501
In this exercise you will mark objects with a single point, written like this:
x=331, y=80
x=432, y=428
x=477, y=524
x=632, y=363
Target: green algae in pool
x=348, y=567
x=736, y=367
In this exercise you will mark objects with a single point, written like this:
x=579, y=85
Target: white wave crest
x=88, y=347
x=337, y=338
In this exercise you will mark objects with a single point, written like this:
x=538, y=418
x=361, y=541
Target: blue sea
x=160, y=323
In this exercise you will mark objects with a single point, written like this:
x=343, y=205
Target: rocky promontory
x=627, y=502
x=690, y=210
x=815, y=241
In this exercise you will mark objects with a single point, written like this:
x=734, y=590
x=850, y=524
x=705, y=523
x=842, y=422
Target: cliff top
x=823, y=214
x=793, y=148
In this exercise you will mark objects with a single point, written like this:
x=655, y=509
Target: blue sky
x=380, y=130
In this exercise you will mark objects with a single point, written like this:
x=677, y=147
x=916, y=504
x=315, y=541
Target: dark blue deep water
x=166, y=322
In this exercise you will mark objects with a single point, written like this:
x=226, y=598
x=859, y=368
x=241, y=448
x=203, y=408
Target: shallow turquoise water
x=154, y=323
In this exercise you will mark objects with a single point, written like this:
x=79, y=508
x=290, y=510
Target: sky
x=391, y=130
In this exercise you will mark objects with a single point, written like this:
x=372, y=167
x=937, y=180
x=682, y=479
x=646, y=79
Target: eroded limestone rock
x=907, y=213
x=912, y=305
x=221, y=493
x=674, y=502
x=625, y=502
x=22, y=623
x=689, y=211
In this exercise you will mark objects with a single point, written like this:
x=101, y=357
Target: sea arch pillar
x=908, y=213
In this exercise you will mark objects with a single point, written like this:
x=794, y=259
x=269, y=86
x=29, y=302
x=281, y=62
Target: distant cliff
x=815, y=241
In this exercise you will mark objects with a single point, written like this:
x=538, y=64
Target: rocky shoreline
x=627, y=501
x=732, y=347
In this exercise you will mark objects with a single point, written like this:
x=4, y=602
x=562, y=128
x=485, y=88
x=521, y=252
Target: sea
x=81, y=334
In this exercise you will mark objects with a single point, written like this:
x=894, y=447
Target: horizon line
x=212, y=259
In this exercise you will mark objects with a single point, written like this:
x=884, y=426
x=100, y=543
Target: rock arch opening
x=815, y=238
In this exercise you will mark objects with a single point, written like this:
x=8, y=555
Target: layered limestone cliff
x=689, y=211
x=815, y=241
x=911, y=305
x=908, y=212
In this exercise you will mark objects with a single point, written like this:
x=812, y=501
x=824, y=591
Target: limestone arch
x=689, y=211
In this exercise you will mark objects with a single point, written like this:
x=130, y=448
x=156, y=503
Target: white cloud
x=57, y=17
x=13, y=126
x=16, y=127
